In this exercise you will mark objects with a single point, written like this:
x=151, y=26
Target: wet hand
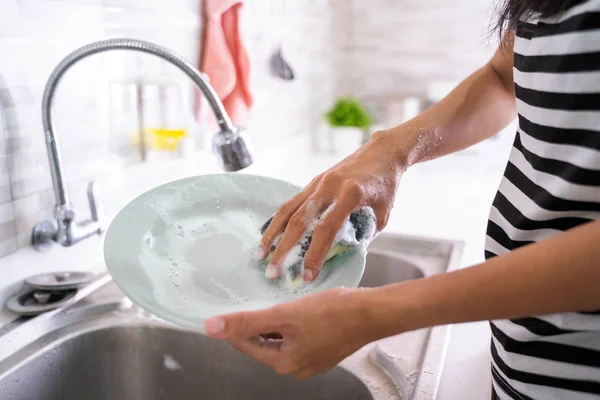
x=314, y=333
x=368, y=177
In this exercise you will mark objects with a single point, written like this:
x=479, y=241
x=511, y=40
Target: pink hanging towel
x=224, y=58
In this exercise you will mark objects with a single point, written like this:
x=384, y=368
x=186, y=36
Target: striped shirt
x=551, y=184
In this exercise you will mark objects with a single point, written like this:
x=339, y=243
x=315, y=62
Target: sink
x=151, y=362
x=382, y=269
x=103, y=347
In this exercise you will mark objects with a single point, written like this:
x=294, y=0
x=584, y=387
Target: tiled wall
x=39, y=33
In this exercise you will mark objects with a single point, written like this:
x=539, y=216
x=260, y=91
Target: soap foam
x=346, y=236
x=208, y=258
x=207, y=252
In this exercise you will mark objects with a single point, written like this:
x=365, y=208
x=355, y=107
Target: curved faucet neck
x=232, y=145
x=52, y=143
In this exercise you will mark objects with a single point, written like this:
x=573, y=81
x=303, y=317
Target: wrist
x=390, y=142
x=410, y=143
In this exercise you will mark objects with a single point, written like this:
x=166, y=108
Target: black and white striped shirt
x=551, y=184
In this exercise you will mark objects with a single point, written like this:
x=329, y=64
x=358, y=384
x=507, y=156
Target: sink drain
x=38, y=302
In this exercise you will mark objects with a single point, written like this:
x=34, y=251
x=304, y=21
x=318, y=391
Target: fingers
x=294, y=231
x=382, y=216
x=281, y=219
x=280, y=359
x=311, y=371
x=243, y=325
x=262, y=352
x=325, y=233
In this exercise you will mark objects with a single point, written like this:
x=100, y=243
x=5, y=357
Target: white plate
x=184, y=251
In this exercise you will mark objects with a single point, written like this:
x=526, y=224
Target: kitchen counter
x=448, y=198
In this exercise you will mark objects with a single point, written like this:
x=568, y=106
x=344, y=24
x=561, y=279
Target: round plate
x=184, y=251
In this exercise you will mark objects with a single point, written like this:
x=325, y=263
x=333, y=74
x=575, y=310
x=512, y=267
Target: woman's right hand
x=369, y=177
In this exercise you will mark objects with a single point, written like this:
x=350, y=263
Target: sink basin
x=382, y=269
x=146, y=362
x=104, y=348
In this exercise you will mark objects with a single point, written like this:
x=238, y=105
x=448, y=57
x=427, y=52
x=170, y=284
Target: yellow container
x=164, y=139
x=160, y=139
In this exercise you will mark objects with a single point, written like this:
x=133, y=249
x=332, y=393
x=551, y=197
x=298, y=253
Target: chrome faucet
x=231, y=144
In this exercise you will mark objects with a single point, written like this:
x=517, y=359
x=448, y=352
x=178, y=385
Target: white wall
x=396, y=47
x=39, y=33
x=378, y=50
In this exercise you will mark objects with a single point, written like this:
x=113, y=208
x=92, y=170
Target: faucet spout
x=231, y=143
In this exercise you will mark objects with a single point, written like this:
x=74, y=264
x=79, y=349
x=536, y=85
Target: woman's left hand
x=315, y=333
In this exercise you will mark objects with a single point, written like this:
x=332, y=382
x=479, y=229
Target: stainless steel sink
x=145, y=361
x=383, y=269
x=103, y=347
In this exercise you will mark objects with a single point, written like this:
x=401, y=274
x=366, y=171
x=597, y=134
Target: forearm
x=481, y=106
x=558, y=275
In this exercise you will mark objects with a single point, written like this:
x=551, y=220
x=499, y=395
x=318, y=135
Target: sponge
x=358, y=231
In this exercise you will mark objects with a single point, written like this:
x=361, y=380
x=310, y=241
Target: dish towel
x=224, y=58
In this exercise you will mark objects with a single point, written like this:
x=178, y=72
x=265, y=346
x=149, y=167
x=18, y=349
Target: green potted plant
x=350, y=125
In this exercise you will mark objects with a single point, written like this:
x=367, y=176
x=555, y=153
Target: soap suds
x=357, y=232
x=191, y=246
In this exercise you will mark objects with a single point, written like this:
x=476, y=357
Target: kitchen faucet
x=231, y=144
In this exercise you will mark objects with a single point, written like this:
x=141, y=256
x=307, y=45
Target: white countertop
x=448, y=198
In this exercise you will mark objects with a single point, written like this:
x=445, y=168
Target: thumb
x=241, y=325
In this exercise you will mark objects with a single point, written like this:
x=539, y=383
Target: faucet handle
x=96, y=209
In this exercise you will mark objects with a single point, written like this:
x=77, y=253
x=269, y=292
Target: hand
x=369, y=177
x=315, y=332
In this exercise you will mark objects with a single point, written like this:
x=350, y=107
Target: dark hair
x=511, y=11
